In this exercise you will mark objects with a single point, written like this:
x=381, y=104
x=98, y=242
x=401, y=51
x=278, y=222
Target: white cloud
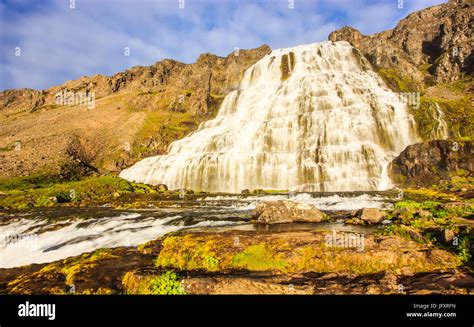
x=59, y=43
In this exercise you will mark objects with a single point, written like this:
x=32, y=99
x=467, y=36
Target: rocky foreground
x=419, y=248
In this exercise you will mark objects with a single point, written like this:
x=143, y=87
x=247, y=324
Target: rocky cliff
x=129, y=115
x=429, y=163
x=438, y=40
x=430, y=52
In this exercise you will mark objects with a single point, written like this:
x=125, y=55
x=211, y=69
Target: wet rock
x=428, y=163
x=424, y=213
x=162, y=187
x=354, y=221
x=285, y=211
x=370, y=215
x=246, y=191
x=448, y=235
x=204, y=285
x=296, y=262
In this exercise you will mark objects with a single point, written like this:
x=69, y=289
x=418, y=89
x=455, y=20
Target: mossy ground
x=45, y=191
x=454, y=99
x=282, y=254
x=63, y=274
x=167, y=283
x=443, y=224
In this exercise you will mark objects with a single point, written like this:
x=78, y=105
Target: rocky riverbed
x=353, y=244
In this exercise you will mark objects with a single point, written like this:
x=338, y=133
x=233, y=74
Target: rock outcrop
x=285, y=211
x=428, y=163
x=439, y=39
x=369, y=215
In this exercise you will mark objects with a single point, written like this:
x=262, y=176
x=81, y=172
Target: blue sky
x=60, y=43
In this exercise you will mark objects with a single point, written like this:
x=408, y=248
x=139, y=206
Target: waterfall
x=440, y=127
x=309, y=118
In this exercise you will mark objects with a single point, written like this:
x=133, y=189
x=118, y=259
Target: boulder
x=370, y=215
x=286, y=211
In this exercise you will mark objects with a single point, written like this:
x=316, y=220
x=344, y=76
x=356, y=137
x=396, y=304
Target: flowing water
x=313, y=118
x=49, y=234
x=309, y=118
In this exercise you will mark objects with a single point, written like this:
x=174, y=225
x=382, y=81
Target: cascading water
x=309, y=118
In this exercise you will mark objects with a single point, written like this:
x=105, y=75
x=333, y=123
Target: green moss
x=216, y=96
x=166, y=284
x=258, y=257
x=425, y=67
x=460, y=86
x=189, y=253
x=37, y=180
x=84, y=262
x=286, y=255
x=397, y=81
x=458, y=115
x=427, y=205
x=464, y=248
x=429, y=194
x=42, y=193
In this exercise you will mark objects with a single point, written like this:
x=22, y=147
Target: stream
x=49, y=234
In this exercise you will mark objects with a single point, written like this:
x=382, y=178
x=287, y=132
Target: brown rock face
x=285, y=211
x=427, y=163
x=439, y=37
x=136, y=113
x=370, y=215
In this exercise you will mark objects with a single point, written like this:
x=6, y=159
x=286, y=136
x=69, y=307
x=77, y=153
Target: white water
x=333, y=202
x=327, y=127
x=440, y=128
x=33, y=239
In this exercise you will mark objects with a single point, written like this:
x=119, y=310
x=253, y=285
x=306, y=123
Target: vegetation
x=258, y=257
x=464, y=248
x=166, y=284
x=397, y=81
x=40, y=191
x=282, y=255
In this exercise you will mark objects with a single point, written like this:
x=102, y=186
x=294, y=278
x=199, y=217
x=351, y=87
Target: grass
x=456, y=107
x=40, y=191
x=38, y=180
x=464, y=248
x=397, y=81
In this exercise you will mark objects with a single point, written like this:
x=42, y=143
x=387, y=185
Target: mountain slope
x=137, y=113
